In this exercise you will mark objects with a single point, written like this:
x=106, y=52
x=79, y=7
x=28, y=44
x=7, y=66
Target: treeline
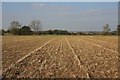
x=26, y=30
x=56, y=32
x=35, y=28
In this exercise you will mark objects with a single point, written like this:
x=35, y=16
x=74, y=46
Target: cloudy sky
x=73, y=16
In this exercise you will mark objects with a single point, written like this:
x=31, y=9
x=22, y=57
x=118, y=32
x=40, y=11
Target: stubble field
x=60, y=56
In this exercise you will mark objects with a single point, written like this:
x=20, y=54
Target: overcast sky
x=73, y=16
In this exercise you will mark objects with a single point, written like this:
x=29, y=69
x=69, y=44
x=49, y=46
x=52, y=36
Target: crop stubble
x=61, y=56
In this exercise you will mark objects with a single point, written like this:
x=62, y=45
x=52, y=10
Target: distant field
x=60, y=56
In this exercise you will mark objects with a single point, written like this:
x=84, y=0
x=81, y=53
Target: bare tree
x=36, y=25
x=106, y=29
x=14, y=27
x=15, y=24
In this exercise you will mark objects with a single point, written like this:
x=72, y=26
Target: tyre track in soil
x=20, y=60
x=61, y=63
x=39, y=72
x=77, y=58
x=32, y=74
x=99, y=61
x=16, y=49
x=98, y=44
x=58, y=62
x=49, y=71
x=100, y=40
x=51, y=56
x=40, y=66
x=39, y=60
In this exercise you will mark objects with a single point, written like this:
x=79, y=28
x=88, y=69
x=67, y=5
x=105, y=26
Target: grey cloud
x=52, y=7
